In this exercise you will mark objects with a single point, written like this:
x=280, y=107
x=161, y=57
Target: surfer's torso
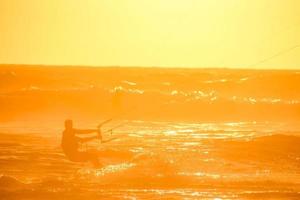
x=69, y=142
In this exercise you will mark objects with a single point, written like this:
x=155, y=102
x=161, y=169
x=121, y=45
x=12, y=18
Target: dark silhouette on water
x=70, y=143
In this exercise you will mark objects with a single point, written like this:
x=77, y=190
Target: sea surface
x=195, y=134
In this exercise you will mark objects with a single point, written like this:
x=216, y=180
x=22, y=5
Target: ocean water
x=195, y=134
x=176, y=161
x=153, y=94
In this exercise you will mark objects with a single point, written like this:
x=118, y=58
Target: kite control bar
x=104, y=122
x=107, y=131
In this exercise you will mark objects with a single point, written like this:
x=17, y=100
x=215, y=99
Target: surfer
x=70, y=144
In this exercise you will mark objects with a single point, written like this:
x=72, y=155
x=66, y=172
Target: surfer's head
x=68, y=124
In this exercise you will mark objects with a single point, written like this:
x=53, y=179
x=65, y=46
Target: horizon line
x=143, y=67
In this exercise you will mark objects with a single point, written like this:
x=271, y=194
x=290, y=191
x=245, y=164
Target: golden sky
x=183, y=33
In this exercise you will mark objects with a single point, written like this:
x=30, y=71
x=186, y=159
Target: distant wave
x=163, y=94
x=185, y=96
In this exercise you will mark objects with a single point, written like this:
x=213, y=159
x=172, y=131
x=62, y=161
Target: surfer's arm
x=87, y=139
x=86, y=131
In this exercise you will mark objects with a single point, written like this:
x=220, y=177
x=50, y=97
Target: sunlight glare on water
x=190, y=134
